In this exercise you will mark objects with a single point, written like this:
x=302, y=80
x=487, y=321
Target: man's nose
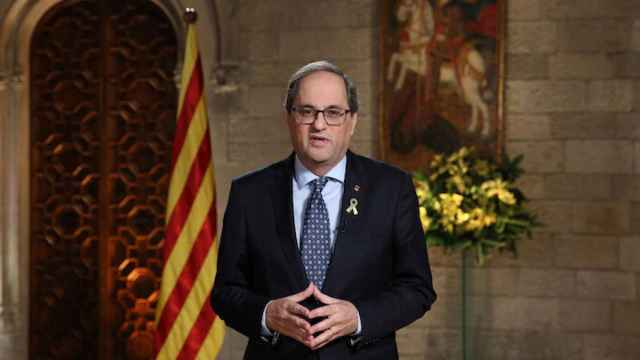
x=319, y=123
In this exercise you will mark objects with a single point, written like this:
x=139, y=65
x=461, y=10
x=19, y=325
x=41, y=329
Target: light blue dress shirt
x=332, y=195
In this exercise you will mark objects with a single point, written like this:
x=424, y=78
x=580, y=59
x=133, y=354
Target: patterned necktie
x=315, y=241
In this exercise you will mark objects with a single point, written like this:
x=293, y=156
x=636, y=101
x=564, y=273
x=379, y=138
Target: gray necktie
x=315, y=241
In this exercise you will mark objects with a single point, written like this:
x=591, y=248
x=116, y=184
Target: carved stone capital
x=224, y=77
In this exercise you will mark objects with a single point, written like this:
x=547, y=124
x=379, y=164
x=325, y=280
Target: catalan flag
x=186, y=326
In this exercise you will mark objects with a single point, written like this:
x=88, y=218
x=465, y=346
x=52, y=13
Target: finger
x=320, y=345
x=295, y=328
x=297, y=297
x=280, y=317
x=307, y=341
x=322, y=326
x=303, y=335
x=303, y=326
x=326, y=299
x=297, y=335
x=295, y=322
x=303, y=294
x=322, y=311
x=323, y=339
x=307, y=336
x=297, y=309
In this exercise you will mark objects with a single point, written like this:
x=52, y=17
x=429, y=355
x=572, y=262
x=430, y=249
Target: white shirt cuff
x=359, y=329
x=264, y=331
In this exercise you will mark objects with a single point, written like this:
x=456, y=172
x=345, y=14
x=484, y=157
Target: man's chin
x=318, y=157
x=320, y=161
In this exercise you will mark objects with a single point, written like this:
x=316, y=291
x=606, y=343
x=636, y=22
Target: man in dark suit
x=322, y=255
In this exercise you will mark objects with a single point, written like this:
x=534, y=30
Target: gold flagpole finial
x=190, y=15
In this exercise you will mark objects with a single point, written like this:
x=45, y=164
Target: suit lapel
x=282, y=199
x=352, y=213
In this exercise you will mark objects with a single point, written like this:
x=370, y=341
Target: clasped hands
x=288, y=317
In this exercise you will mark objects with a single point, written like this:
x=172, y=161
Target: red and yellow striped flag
x=186, y=326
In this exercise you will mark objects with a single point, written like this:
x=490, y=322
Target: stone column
x=14, y=192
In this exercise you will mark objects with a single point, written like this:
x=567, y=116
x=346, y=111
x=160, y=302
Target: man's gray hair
x=294, y=83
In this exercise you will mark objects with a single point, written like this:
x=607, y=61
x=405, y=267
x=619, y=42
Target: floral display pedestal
x=465, y=307
x=472, y=204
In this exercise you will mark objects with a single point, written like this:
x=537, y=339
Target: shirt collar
x=303, y=175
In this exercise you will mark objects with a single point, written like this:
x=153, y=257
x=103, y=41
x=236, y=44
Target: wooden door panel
x=103, y=104
x=140, y=67
x=65, y=89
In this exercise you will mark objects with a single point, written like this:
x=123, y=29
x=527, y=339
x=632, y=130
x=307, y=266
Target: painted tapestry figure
x=441, y=74
x=322, y=255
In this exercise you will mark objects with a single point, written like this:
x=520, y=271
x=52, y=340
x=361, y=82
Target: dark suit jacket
x=379, y=261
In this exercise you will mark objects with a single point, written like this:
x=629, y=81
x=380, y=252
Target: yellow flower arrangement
x=467, y=202
x=498, y=188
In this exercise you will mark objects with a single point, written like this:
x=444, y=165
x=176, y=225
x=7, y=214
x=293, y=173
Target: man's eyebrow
x=328, y=107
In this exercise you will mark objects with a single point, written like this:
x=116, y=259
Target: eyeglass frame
x=296, y=114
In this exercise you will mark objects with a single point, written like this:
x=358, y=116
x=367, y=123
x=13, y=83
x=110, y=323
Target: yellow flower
x=458, y=182
x=422, y=190
x=458, y=155
x=450, y=204
x=507, y=197
x=498, y=188
x=451, y=200
x=440, y=170
x=436, y=205
x=446, y=219
x=490, y=219
x=448, y=227
x=425, y=220
x=463, y=167
x=479, y=220
x=461, y=217
x=436, y=160
x=450, y=211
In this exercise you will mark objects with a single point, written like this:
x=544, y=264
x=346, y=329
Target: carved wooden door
x=103, y=102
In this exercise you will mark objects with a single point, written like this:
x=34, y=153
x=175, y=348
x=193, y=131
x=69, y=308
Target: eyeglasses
x=307, y=115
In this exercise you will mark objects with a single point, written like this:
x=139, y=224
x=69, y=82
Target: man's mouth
x=317, y=140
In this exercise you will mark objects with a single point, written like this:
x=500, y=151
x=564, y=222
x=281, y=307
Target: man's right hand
x=288, y=317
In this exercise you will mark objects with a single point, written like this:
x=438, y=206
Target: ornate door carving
x=103, y=104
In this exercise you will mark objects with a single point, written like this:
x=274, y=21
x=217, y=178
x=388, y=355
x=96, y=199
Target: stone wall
x=572, y=107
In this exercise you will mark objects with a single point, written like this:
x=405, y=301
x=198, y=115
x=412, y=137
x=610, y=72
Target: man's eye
x=307, y=112
x=333, y=113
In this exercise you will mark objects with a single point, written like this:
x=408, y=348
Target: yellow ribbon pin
x=352, y=209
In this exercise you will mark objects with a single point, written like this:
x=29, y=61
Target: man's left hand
x=341, y=319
